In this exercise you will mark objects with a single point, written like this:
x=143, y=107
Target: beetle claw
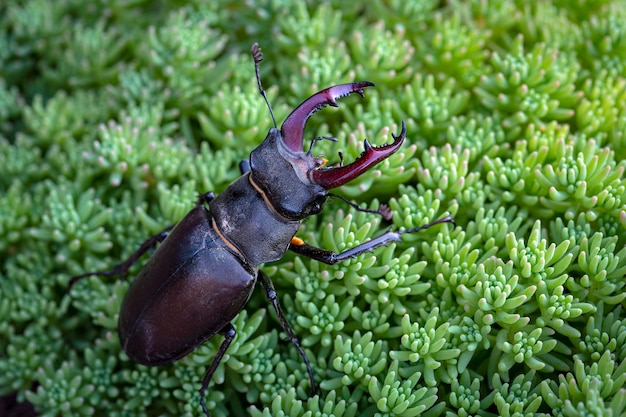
x=385, y=211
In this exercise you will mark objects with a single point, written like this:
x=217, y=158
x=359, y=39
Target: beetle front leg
x=229, y=333
x=270, y=292
x=330, y=257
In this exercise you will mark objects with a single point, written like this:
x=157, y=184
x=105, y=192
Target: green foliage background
x=114, y=115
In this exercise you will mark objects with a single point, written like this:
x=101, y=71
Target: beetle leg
x=229, y=333
x=383, y=210
x=122, y=268
x=330, y=257
x=270, y=292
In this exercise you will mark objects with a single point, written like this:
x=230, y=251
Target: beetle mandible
x=205, y=269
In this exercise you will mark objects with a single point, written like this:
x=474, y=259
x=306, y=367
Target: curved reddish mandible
x=335, y=177
x=292, y=129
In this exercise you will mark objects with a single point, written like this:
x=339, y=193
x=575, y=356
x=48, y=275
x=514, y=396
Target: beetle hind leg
x=229, y=333
x=270, y=292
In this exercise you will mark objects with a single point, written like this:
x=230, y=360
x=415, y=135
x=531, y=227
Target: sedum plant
x=115, y=115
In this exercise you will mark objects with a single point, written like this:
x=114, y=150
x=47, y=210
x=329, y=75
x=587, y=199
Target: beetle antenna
x=257, y=55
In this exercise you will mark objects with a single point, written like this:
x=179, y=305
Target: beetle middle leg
x=270, y=292
x=229, y=334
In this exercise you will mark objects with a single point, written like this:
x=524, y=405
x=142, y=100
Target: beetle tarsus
x=447, y=219
x=270, y=292
x=229, y=334
x=385, y=212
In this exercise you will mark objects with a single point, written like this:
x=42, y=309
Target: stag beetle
x=205, y=269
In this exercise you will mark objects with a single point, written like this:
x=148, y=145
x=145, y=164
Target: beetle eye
x=315, y=206
x=319, y=203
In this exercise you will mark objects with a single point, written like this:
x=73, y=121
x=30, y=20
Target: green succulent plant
x=115, y=115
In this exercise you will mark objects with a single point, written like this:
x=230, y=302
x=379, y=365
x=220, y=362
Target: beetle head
x=295, y=182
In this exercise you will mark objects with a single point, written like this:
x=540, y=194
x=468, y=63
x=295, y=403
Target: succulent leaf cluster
x=115, y=115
